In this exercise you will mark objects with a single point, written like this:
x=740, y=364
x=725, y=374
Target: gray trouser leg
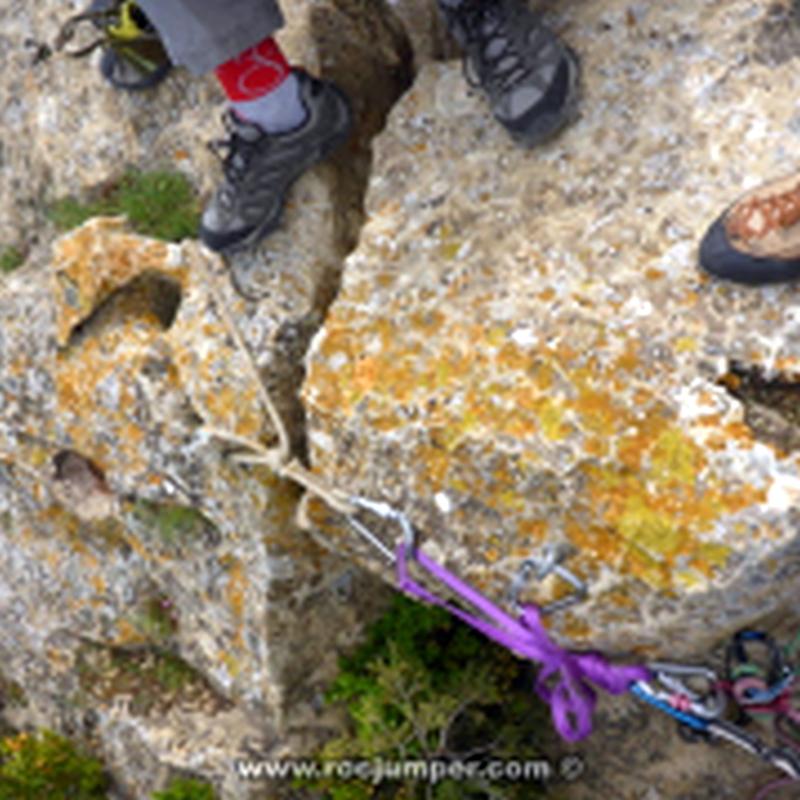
x=202, y=34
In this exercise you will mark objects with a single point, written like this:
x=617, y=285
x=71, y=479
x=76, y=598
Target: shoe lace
x=499, y=67
x=234, y=151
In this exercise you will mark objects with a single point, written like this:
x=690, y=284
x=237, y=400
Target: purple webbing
x=572, y=699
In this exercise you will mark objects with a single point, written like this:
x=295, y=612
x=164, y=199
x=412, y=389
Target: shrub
x=186, y=789
x=46, y=766
x=161, y=204
x=11, y=258
x=423, y=685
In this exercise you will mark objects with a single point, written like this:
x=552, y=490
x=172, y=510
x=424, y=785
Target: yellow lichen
x=650, y=490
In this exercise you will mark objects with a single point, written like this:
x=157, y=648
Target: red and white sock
x=262, y=88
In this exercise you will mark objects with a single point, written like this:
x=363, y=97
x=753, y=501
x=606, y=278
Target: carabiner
x=674, y=678
x=549, y=562
x=780, y=757
x=388, y=513
x=644, y=691
x=774, y=670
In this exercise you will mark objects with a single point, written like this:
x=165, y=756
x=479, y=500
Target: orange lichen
x=96, y=260
x=652, y=499
x=575, y=629
x=128, y=634
x=235, y=592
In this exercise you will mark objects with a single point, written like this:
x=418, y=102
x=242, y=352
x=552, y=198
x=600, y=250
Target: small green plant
x=163, y=672
x=157, y=619
x=161, y=204
x=424, y=686
x=11, y=258
x=172, y=672
x=173, y=524
x=154, y=678
x=186, y=789
x=46, y=766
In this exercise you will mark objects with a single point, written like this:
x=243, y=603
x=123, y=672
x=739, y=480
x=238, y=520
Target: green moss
x=44, y=766
x=11, y=258
x=173, y=673
x=173, y=524
x=424, y=686
x=161, y=204
x=162, y=672
x=186, y=789
x=156, y=619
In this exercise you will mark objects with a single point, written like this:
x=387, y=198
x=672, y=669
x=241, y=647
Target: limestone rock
x=114, y=361
x=114, y=358
x=65, y=129
x=425, y=29
x=523, y=350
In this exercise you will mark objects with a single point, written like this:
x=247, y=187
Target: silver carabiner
x=674, y=678
x=780, y=757
x=388, y=513
x=549, y=562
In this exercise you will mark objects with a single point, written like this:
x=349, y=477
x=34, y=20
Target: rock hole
x=778, y=37
x=152, y=297
x=772, y=404
x=80, y=486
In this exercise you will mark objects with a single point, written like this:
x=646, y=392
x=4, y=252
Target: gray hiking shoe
x=260, y=167
x=529, y=75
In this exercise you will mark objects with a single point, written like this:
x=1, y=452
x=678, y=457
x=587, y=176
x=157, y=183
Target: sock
x=262, y=89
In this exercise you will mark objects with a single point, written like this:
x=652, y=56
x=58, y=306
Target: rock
x=426, y=30
x=115, y=360
x=61, y=106
x=65, y=130
x=113, y=356
x=523, y=350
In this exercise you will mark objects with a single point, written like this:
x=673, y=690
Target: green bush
x=11, y=258
x=161, y=204
x=425, y=686
x=46, y=766
x=186, y=789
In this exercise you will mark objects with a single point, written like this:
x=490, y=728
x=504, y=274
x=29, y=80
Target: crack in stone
x=771, y=405
x=352, y=174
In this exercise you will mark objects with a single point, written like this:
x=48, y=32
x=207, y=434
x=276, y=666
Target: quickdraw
x=692, y=695
x=567, y=679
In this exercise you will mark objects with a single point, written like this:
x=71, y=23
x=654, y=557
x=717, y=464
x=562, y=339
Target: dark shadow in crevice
x=385, y=71
x=771, y=404
x=150, y=296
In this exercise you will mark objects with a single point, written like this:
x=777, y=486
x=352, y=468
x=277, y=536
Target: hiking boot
x=757, y=239
x=530, y=77
x=260, y=167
